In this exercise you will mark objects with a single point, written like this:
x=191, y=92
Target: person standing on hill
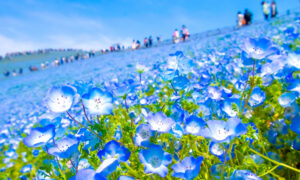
x=185, y=33
x=7, y=73
x=266, y=9
x=240, y=19
x=138, y=44
x=133, y=47
x=158, y=39
x=175, y=36
x=150, y=41
x=247, y=17
x=146, y=42
x=273, y=9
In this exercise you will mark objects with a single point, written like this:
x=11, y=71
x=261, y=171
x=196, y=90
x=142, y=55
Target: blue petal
x=39, y=136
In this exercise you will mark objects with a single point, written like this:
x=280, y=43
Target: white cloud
x=62, y=31
x=83, y=41
x=11, y=45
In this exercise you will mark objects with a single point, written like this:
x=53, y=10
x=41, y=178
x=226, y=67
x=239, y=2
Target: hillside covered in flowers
x=219, y=107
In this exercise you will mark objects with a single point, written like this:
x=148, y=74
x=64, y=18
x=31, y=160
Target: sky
x=97, y=24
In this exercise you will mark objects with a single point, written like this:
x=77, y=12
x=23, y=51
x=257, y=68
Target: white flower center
x=155, y=161
x=221, y=134
x=145, y=134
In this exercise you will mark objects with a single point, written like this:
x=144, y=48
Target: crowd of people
x=12, y=55
x=183, y=35
x=244, y=19
x=267, y=8
x=148, y=42
x=54, y=63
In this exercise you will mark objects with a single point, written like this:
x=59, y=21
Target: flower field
x=220, y=107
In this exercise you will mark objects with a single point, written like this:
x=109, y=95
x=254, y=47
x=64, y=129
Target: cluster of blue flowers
x=229, y=113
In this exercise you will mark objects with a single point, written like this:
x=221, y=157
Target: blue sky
x=96, y=24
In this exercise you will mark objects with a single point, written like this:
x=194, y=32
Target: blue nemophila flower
x=194, y=125
x=204, y=110
x=173, y=60
x=188, y=168
x=231, y=106
x=142, y=135
x=113, y=149
x=214, y=93
x=244, y=174
x=169, y=74
x=205, y=78
x=11, y=153
x=98, y=102
x=85, y=174
x=89, y=139
x=219, y=150
x=292, y=111
x=293, y=60
x=296, y=143
x=65, y=147
x=258, y=48
x=155, y=160
x=27, y=168
x=177, y=54
x=177, y=113
x=279, y=126
x=83, y=164
x=257, y=159
x=221, y=131
x=240, y=85
x=177, y=130
x=125, y=178
x=60, y=99
x=107, y=167
x=180, y=82
x=295, y=126
x=286, y=99
x=247, y=61
x=200, y=97
x=118, y=134
x=267, y=80
x=160, y=122
x=23, y=177
x=141, y=68
x=35, y=152
x=272, y=136
x=217, y=170
x=295, y=85
x=177, y=145
x=257, y=97
x=39, y=136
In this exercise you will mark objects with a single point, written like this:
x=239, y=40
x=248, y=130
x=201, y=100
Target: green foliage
x=261, y=116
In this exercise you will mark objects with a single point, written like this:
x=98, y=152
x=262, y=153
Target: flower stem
x=243, y=94
x=73, y=166
x=251, y=88
x=125, y=102
x=85, y=113
x=98, y=119
x=80, y=124
x=278, y=177
x=173, y=88
x=223, y=168
x=269, y=171
x=275, y=162
x=133, y=172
